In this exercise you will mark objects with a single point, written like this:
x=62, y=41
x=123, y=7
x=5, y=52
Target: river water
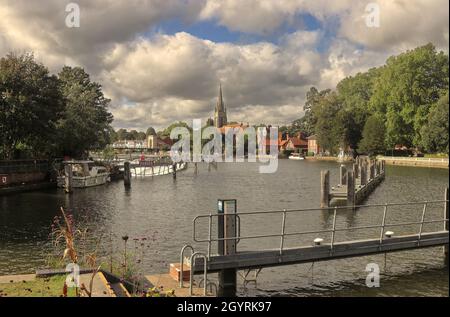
x=159, y=212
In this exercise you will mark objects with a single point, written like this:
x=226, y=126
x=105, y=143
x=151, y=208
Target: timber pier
x=355, y=185
x=391, y=237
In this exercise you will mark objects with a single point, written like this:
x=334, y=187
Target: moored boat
x=84, y=174
x=296, y=156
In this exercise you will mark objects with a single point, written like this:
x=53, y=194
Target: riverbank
x=416, y=161
x=26, y=188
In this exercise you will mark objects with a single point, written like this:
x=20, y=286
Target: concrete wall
x=416, y=161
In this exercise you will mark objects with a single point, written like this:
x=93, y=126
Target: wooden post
x=324, y=189
x=369, y=170
x=350, y=188
x=227, y=277
x=355, y=171
x=126, y=174
x=446, y=197
x=342, y=175
x=363, y=173
x=68, y=178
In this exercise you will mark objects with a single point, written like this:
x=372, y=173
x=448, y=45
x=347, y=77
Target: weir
x=229, y=259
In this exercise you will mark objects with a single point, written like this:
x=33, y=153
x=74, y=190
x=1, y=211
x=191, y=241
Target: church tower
x=220, y=115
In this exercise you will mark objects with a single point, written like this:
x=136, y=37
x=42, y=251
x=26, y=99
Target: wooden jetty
x=324, y=247
x=355, y=185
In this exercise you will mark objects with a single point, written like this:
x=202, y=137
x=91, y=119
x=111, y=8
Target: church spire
x=220, y=105
x=220, y=115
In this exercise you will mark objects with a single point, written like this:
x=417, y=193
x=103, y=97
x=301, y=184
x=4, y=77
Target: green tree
x=373, y=141
x=308, y=122
x=85, y=124
x=122, y=134
x=328, y=131
x=30, y=104
x=405, y=90
x=435, y=132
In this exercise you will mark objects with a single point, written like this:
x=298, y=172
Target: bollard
x=68, y=178
x=324, y=189
x=350, y=188
x=342, y=175
x=126, y=174
x=174, y=170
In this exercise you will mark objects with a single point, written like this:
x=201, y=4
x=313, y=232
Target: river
x=159, y=212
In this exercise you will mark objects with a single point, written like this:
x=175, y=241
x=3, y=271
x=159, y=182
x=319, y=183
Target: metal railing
x=283, y=234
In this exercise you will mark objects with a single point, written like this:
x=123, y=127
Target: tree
x=373, y=136
x=328, y=132
x=405, y=90
x=30, y=104
x=354, y=94
x=122, y=134
x=435, y=132
x=308, y=122
x=85, y=124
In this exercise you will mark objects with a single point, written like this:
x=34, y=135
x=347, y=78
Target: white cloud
x=157, y=79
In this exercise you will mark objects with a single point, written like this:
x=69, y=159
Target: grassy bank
x=39, y=287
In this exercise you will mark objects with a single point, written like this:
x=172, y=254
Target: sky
x=161, y=61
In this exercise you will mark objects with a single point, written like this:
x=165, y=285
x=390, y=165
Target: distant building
x=154, y=142
x=297, y=143
x=220, y=114
x=129, y=144
x=313, y=146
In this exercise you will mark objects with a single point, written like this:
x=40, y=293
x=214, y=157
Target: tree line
x=45, y=115
x=404, y=102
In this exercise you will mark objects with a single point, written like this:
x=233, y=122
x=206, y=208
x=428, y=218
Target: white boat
x=85, y=174
x=157, y=170
x=296, y=156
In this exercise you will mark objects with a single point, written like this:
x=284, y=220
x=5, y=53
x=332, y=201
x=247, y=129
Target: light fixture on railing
x=318, y=241
x=389, y=234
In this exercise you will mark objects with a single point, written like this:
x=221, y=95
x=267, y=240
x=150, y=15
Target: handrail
x=205, y=272
x=333, y=231
x=182, y=261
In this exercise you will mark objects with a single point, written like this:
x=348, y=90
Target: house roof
x=312, y=137
x=298, y=142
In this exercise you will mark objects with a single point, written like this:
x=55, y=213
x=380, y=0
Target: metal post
x=174, y=170
x=324, y=189
x=383, y=224
x=182, y=262
x=227, y=277
x=209, y=235
x=421, y=222
x=334, y=229
x=205, y=272
x=446, y=223
x=283, y=227
x=342, y=175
